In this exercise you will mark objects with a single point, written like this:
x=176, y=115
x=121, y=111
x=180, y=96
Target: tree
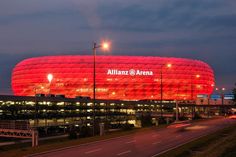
x=146, y=119
x=72, y=133
x=85, y=131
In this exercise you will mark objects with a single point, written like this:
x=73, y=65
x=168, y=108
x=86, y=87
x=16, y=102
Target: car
x=50, y=95
x=83, y=97
x=60, y=96
x=40, y=95
x=232, y=116
x=179, y=124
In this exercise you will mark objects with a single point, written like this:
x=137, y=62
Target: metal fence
x=15, y=124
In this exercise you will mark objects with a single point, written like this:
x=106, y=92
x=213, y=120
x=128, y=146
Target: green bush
x=161, y=120
x=72, y=133
x=127, y=126
x=196, y=116
x=85, y=131
x=146, y=120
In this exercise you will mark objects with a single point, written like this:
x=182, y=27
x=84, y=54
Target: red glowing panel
x=117, y=77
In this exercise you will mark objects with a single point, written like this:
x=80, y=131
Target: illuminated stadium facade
x=117, y=77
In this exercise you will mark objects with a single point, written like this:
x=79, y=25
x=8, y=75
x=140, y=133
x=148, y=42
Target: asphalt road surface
x=143, y=144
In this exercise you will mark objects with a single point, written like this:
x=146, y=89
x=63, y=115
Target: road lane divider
x=123, y=153
x=130, y=141
x=178, y=136
x=92, y=151
x=156, y=142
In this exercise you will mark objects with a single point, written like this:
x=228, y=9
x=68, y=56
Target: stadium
x=116, y=77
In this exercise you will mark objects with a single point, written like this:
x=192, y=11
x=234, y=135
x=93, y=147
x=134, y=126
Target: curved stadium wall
x=117, y=77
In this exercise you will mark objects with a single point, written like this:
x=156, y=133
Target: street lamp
x=177, y=106
x=221, y=91
x=49, y=77
x=35, y=106
x=209, y=95
x=35, y=109
x=196, y=76
x=105, y=46
x=168, y=66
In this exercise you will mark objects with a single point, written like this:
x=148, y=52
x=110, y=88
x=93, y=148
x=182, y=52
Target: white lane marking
x=131, y=141
x=92, y=151
x=122, y=153
x=156, y=142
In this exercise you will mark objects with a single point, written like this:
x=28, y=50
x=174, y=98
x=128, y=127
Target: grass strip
x=213, y=145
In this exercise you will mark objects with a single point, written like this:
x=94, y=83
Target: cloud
x=202, y=29
x=178, y=15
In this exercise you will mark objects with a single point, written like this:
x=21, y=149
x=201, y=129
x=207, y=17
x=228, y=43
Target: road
x=143, y=144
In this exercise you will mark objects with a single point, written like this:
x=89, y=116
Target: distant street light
x=209, y=95
x=221, y=92
x=105, y=46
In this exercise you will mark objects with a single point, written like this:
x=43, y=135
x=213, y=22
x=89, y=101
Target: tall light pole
x=193, y=108
x=192, y=76
x=209, y=95
x=35, y=108
x=35, y=105
x=168, y=66
x=104, y=46
x=177, y=105
x=49, y=77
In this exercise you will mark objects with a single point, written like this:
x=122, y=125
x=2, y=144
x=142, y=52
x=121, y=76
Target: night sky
x=197, y=29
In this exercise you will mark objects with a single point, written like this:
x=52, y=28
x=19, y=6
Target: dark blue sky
x=198, y=29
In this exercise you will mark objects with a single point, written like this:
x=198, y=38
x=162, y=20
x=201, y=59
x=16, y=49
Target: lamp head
x=197, y=76
x=50, y=77
x=105, y=46
x=169, y=65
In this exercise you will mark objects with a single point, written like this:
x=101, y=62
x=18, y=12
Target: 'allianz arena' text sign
x=131, y=72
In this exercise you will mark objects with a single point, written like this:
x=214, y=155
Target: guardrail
x=18, y=129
